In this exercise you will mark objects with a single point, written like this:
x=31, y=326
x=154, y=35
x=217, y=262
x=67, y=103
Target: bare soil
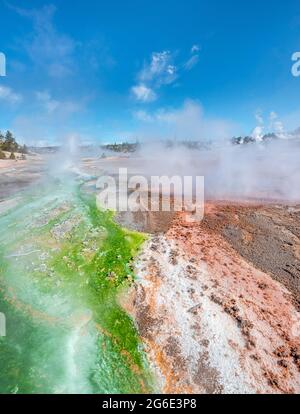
x=216, y=301
x=268, y=236
x=17, y=175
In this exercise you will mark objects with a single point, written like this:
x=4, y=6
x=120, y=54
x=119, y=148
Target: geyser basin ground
x=216, y=303
x=63, y=264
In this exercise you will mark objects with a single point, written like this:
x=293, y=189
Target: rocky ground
x=16, y=175
x=217, y=302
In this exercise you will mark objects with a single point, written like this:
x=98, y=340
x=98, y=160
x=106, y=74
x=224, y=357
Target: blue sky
x=107, y=71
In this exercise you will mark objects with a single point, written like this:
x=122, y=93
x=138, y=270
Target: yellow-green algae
x=62, y=265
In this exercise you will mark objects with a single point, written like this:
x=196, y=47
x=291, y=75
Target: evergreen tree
x=9, y=142
x=1, y=140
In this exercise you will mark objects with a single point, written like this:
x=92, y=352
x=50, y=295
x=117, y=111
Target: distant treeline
x=250, y=140
x=44, y=150
x=125, y=147
x=8, y=143
x=194, y=145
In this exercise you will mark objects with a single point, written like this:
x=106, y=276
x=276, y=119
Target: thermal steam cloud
x=265, y=167
x=275, y=126
x=187, y=122
x=268, y=170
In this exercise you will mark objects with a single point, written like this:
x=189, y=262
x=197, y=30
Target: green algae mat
x=63, y=263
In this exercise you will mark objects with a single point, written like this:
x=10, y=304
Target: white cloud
x=8, y=95
x=194, y=59
x=189, y=64
x=49, y=104
x=45, y=45
x=195, y=49
x=55, y=106
x=143, y=94
x=161, y=69
x=142, y=115
x=185, y=122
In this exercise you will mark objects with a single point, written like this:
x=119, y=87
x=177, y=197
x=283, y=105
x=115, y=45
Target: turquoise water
x=63, y=264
